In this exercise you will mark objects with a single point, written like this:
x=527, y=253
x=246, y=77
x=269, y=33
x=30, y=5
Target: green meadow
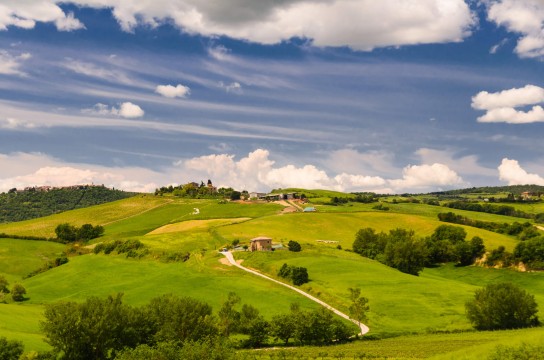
x=408, y=317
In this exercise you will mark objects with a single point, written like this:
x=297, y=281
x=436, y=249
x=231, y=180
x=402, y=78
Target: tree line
x=32, y=203
x=402, y=250
x=174, y=327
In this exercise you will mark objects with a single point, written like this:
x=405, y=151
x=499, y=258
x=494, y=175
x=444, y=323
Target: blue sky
x=353, y=95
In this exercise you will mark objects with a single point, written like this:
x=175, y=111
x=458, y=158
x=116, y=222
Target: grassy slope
x=20, y=257
x=309, y=227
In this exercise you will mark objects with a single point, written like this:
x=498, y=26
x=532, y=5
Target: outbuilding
x=261, y=244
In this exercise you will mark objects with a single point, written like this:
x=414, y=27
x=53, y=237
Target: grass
x=466, y=345
x=20, y=257
x=21, y=322
x=96, y=215
x=341, y=227
x=195, y=225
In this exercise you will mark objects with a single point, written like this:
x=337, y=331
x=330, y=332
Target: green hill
x=35, y=202
x=409, y=308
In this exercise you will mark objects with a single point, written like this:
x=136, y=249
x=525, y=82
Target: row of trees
x=529, y=252
x=523, y=231
x=69, y=233
x=489, y=208
x=108, y=328
x=402, y=250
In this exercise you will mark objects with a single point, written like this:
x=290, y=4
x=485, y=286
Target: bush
x=10, y=349
x=502, y=306
x=18, y=292
x=294, y=246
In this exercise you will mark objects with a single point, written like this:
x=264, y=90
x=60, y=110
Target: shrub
x=18, y=292
x=502, y=306
x=10, y=349
x=294, y=246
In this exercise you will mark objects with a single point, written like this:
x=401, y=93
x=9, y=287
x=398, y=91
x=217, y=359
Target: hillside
x=180, y=256
x=35, y=202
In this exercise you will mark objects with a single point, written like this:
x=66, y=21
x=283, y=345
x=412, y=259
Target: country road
x=363, y=327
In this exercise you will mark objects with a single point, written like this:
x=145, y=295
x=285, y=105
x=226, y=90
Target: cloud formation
x=359, y=24
x=501, y=106
x=171, y=91
x=511, y=172
x=14, y=124
x=127, y=110
x=234, y=87
x=525, y=17
x=10, y=64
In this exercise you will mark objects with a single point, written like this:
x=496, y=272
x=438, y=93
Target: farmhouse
x=261, y=244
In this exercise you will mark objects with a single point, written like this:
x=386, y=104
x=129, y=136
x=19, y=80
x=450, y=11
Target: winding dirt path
x=364, y=329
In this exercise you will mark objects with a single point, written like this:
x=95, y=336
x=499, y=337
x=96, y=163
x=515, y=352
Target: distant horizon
x=346, y=95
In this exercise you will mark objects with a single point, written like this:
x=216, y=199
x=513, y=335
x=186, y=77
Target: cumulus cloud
x=35, y=169
x=11, y=64
x=258, y=172
x=511, y=172
x=68, y=23
x=501, y=106
x=360, y=24
x=171, y=91
x=127, y=110
x=525, y=17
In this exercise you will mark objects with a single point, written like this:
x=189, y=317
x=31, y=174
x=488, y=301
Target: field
x=400, y=304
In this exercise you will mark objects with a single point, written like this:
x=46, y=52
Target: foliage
x=299, y=275
x=69, y=233
x=34, y=203
x=61, y=260
x=359, y=305
x=531, y=253
x=4, y=285
x=228, y=316
x=502, y=306
x=211, y=349
x=488, y=208
x=521, y=352
x=369, y=244
x=18, y=292
x=404, y=252
x=294, y=246
x=10, y=349
x=132, y=247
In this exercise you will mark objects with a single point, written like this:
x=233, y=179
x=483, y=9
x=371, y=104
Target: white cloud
x=525, y=17
x=95, y=71
x=14, y=124
x=425, y=176
x=234, y=87
x=69, y=23
x=468, y=164
x=220, y=53
x=500, y=106
x=127, y=110
x=10, y=64
x=360, y=24
x=257, y=172
x=171, y=91
x=511, y=172
x=24, y=169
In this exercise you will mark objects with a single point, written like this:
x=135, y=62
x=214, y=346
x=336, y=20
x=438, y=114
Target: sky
x=390, y=96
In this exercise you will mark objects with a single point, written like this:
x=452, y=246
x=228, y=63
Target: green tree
x=453, y=234
x=283, y=327
x=285, y=271
x=18, y=292
x=502, y=306
x=4, y=285
x=369, y=244
x=299, y=275
x=229, y=317
x=404, y=252
x=294, y=246
x=10, y=349
x=66, y=232
x=359, y=305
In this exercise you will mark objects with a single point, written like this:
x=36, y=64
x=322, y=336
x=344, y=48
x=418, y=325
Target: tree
x=453, y=234
x=18, y=292
x=235, y=195
x=359, y=305
x=283, y=327
x=369, y=244
x=229, y=317
x=4, y=285
x=502, y=306
x=299, y=275
x=66, y=232
x=10, y=349
x=404, y=252
x=294, y=246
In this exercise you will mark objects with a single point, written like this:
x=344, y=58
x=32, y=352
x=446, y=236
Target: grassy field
x=341, y=227
x=400, y=303
x=20, y=257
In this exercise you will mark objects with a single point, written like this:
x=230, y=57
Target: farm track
x=364, y=329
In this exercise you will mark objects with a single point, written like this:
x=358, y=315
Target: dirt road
x=364, y=329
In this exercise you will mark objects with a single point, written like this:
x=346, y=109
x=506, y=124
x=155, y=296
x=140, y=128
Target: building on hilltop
x=261, y=244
